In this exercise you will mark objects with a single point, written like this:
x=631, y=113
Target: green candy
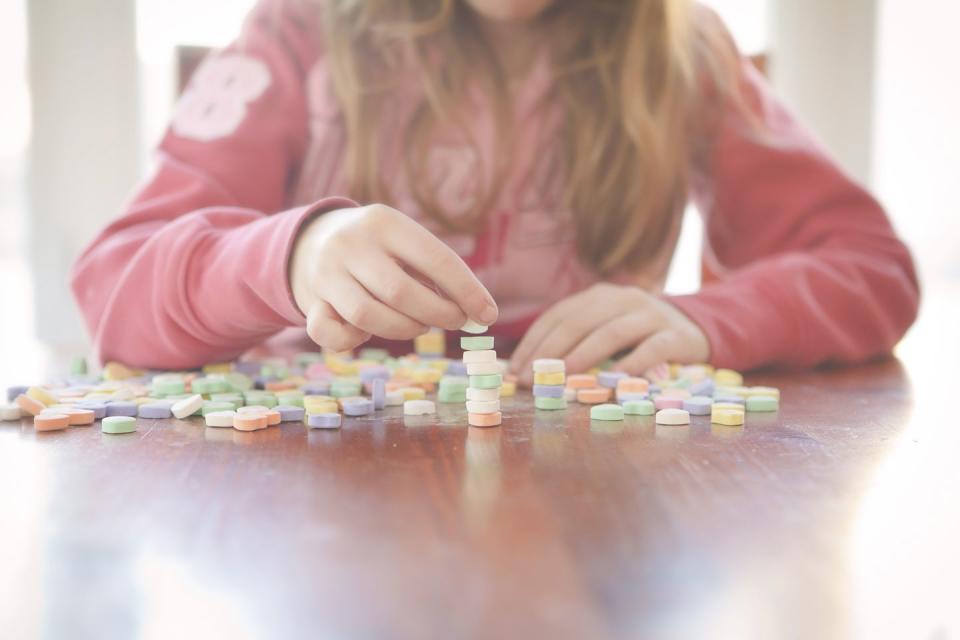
x=639, y=408
x=118, y=424
x=238, y=382
x=549, y=404
x=211, y=406
x=489, y=381
x=606, y=412
x=291, y=398
x=451, y=395
x=78, y=366
x=167, y=388
x=377, y=355
x=762, y=403
x=307, y=358
x=476, y=343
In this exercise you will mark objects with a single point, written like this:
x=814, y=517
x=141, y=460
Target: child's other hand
x=348, y=274
x=593, y=325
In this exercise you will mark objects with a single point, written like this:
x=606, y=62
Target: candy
x=412, y=393
x=729, y=399
x=324, y=421
x=508, y=388
x=210, y=406
x=483, y=368
x=357, y=407
x=155, y=410
x=42, y=395
x=666, y=402
x=393, y=399
x=476, y=343
x=727, y=377
x=418, y=407
x=13, y=392
x=290, y=413
x=473, y=327
x=548, y=391
x=555, y=378
x=606, y=412
x=763, y=391
x=51, y=421
x=675, y=392
x=727, y=417
x=28, y=405
x=486, y=355
x=10, y=412
x=249, y=421
x=639, y=408
x=632, y=385
x=698, y=405
x=483, y=406
x=219, y=418
x=118, y=424
x=123, y=408
x=183, y=408
x=99, y=408
x=273, y=417
x=549, y=404
x=378, y=393
x=492, y=381
x=549, y=365
x=483, y=394
x=672, y=417
x=596, y=395
x=484, y=419
x=610, y=379
x=728, y=406
x=627, y=397
x=762, y=403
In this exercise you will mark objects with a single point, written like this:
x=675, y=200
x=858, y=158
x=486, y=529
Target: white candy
x=483, y=395
x=253, y=408
x=419, y=407
x=549, y=365
x=394, y=398
x=486, y=355
x=472, y=327
x=220, y=418
x=10, y=412
x=187, y=407
x=481, y=406
x=483, y=368
x=569, y=394
x=673, y=416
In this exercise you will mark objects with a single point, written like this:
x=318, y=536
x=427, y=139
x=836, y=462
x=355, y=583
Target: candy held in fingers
x=672, y=417
x=118, y=424
x=484, y=419
x=473, y=327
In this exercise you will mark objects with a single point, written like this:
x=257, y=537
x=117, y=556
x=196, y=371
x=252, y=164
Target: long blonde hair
x=634, y=78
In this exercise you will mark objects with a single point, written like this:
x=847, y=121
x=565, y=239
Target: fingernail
x=488, y=316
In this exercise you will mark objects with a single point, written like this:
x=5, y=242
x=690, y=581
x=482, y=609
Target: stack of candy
x=484, y=378
x=549, y=377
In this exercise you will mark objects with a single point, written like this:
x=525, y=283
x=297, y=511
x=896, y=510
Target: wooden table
x=833, y=518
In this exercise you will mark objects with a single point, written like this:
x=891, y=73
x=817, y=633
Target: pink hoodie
x=807, y=266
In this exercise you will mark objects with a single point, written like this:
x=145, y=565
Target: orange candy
x=484, y=419
x=581, y=381
x=633, y=385
x=51, y=422
x=273, y=417
x=250, y=421
x=29, y=405
x=594, y=396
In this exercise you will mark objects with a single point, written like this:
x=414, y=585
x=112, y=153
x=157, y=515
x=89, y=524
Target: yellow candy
x=115, y=371
x=727, y=417
x=217, y=367
x=430, y=343
x=728, y=406
x=439, y=363
x=773, y=392
x=321, y=407
x=508, y=388
x=42, y=395
x=413, y=393
x=727, y=378
x=427, y=375
x=550, y=378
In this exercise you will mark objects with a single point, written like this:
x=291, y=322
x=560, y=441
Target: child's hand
x=348, y=274
x=593, y=325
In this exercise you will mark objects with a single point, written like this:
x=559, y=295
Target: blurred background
x=86, y=87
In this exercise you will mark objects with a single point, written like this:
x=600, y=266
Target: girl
x=376, y=168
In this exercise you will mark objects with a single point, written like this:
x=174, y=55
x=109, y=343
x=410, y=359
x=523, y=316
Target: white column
x=84, y=148
x=823, y=65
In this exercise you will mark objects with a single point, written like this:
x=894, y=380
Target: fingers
x=393, y=286
x=327, y=328
x=363, y=311
x=617, y=334
x=420, y=249
x=529, y=346
x=658, y=348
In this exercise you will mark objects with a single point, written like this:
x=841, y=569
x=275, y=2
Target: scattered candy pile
x=318, y=389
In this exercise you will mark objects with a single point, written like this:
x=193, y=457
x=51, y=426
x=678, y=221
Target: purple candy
x=13, y=392
x=610, y=379
x=247, y=367
x=456, y=368
x=654, y=388
x=358, y=407
x=631, y=397
x=99, y=408
x=698, y=405
x=316, y=388
x=730, y=398
x=323, y=421
x=379, y=372
x=379, y=393
x=548, y=390
x=702, y=388
x=289, y=413
x=122, y=408
x=155, y=410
